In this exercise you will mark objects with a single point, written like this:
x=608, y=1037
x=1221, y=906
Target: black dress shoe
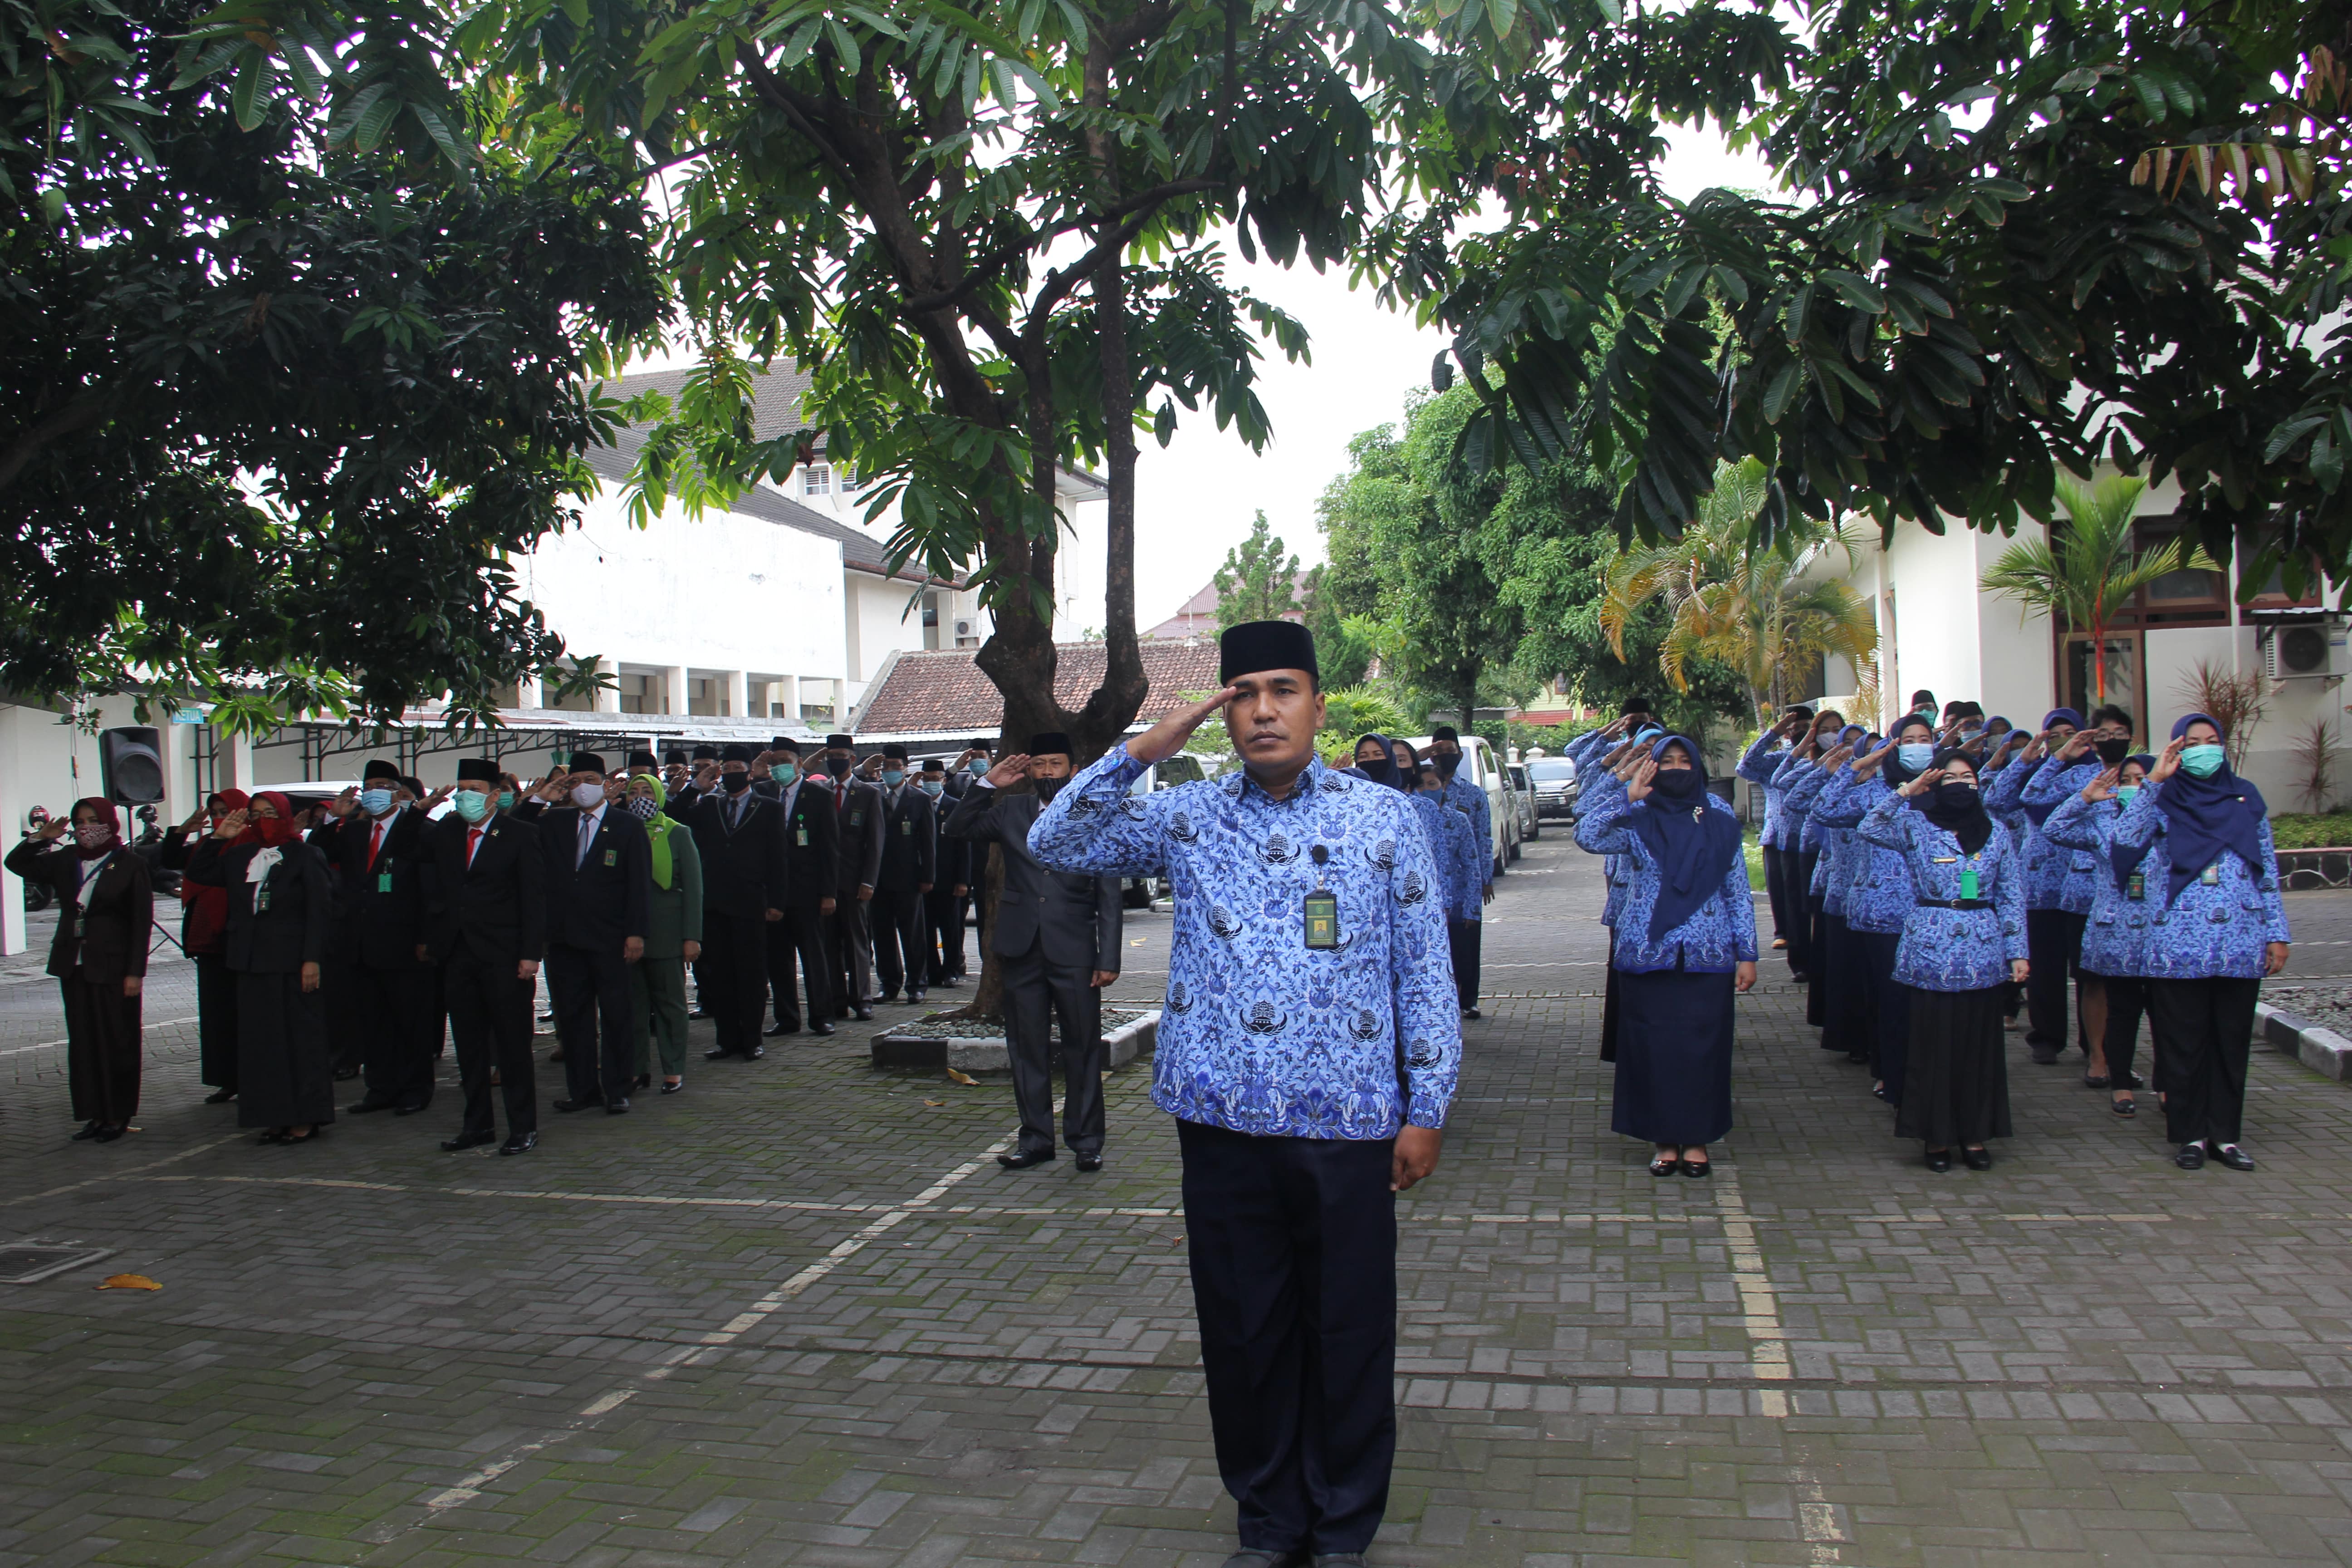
x=364, y=1106
x=1698, y=1170
x=2045, y=1056
x=1977, y=1159
x=220, y=1097
x=863, y=1014
x=755, y=1053
x=644, y=1081
x=1939, y=1161
x=701, y=1014
x=406, y=1110
x=1472, y=1013
x=345, y=1075
x=913, y=998
x=1022, y=1159
x=617, y=1107
x=1250, y=1557
x=953, y=982
x=778, y=1031
x=1090, y=1161
x=1857, y=1057
x=2192, y=1157
x=673, y=1087
x=521, y=1143
x=716, y=1055
x=468, y=1140
x=577, y=1104
x=821, y=1027
x=89, y=1130
x=888, y=999
x=2230, y=1154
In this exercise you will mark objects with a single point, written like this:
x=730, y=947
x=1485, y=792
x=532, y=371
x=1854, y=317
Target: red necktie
x=375, y=845
x=473, y=842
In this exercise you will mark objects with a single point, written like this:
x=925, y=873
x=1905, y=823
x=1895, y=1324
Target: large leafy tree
x=2021, y=236
x=1258, y=581
x=285, y=375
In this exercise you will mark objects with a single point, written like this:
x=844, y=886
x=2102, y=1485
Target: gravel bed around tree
x=2328, y=1007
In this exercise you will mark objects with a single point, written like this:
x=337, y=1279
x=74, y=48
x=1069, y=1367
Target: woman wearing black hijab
x=1963, y=939
x=1373, y=760
x=1685, y=943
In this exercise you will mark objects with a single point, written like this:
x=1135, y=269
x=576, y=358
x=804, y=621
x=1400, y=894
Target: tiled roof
x=944, y=693
x=1197, y=616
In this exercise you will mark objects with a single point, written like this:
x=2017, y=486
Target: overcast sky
x=1194, y=500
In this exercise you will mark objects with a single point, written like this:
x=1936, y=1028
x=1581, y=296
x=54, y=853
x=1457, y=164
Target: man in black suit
x=849, y=937
x=376, y=849
x=910, y=831
x=599, y=889
x=488, y=919
x=1057, y=941
x=796, y=944
x=944, y=905
x=740, y=837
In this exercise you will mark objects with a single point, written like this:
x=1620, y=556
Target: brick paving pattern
x=795, y=1315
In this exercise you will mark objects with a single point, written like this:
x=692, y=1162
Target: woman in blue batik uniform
x=1878, y=895
x=1686, y=942
x=2218, y=929
x=1461, y=865
x=2114, y=942
x=1962, y=940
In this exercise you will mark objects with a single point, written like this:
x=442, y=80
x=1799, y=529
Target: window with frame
x=817, y=480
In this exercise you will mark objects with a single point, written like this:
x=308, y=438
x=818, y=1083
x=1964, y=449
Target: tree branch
x=997, y=260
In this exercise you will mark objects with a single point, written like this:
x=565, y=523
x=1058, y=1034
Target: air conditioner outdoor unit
x=967, y=628
x=2306, y=650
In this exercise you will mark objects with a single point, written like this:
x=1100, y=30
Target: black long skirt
x=1817, y=970
x=216, y=1021
x=1674, y=1057
x=1886, y=1008
x=1956, y=1077
x=102, y=1049
x=285, y=1077
x=1609, y=1002
x=1845, y=999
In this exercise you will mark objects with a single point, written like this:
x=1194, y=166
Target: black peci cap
x=1254, y=645
x=839, y=742
x=477, y=768
x=1049, y=743
x=894, y=752
x=706, y=753
x=737, y=752
x=586, y=763
x=379, y=769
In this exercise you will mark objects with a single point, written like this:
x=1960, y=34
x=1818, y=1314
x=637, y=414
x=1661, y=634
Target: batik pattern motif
x=1259, y=1034
x=1719, y=935
x=1472, y=803
x=2213, y=931
x=1952, y=950
x=1757, y=765
x=2052, y=871
x=2115, y=938
x=1461, y=863
x=1877, y=893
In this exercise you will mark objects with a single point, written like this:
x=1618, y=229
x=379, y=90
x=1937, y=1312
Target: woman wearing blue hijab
x=2206, y=862
x=1685, y=943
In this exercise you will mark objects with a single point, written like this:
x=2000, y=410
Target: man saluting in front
x=1307, y=1050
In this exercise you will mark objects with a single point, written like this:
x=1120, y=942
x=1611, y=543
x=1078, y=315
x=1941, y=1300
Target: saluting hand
x=343, y=804
x=2076, y=744
x=1925, y=780
x=54, y=829
x=2104, y=786
x=1167, y=738
x=1638, y=787
x=1863, y=766
x=1015, y=768
x=2168, y=762
x=232, y=824
x=1835, y=757
x=436, y=798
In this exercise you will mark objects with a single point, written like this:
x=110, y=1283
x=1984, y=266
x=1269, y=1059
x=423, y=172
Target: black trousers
x=1037, y=992
x=102, y=1037
x=400, y=1023
x=943, y=917
x=346, y=1022
x=1609, y=1002
x=489, y=1019
x=734, y=977
x=2204, y=1032
x=2126, y=1003
x=1798, y=866
x=1887, y=1005
x=590, y=989
x=1776, y=890
x=216, y=1022
x=895, y=919
x=1293, y=1248
x=2053, y=946
x=1818, y=957
x=849, y=953
x=1462, y=941
x=796, y=943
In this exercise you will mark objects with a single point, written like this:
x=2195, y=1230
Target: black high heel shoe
x=1665, y=1166
x=1939, y=1160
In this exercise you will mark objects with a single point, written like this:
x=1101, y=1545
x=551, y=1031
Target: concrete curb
x=2324, y=1051
x=978, y=1054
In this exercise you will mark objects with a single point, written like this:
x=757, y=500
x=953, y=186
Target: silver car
x=1523, y=795
x=1555, y=782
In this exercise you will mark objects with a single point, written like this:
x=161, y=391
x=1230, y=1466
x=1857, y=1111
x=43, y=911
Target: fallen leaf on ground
x=128, y=1282
x=962, y=1076
x=935, y=1102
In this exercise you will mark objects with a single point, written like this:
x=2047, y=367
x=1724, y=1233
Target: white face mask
x=588, y=796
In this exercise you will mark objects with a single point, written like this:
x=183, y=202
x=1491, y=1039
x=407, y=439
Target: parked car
x=1137, y=892
x=1555, y=787
x=1523, y=796
x=1485, y=771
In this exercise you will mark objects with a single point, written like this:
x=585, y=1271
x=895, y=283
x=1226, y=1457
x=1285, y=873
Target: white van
x=1485, y=771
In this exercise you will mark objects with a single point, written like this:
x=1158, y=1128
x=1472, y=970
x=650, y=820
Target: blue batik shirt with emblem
x=1472, y=803
x=1757, y=765
x=1260, y=1034
x=2007, y=792
x=2214, y=930
x=1453, y=844
x=2114, y=936
x=1946, y=948
x=1719, y=934
x=2068, y=875
x=1786, y=775
x=1876, y=894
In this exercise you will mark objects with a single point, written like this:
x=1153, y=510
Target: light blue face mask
x=2202, y=761
x=471, y=803
x=892, y=777
x=931, y=786
x=2126, y=793
x=784, y=773
x=1915, y=755
x=977, y=767
x=375, y=802
x=506, y=799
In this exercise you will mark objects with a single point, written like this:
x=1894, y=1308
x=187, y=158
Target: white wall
x=886, y=616
x=2015, y=664
x=1080, y=569
x=719, y=592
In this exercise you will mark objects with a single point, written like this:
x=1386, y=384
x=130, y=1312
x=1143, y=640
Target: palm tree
x=1754, y=610
x=2091, y=573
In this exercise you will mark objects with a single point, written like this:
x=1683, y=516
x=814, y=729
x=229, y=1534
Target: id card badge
x=384, y=881
x=612, y=857
x=2212, y=875
x=1322, y=921
x=1969, y=882
x=800, y=835
x=2135, y=886
x=906, y=829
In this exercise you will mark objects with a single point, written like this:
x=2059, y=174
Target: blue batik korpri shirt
x=1877, y=895
x=1260, y=1034
x=2115, y=937
x=1757, y=765
x=1459, y=856
x=1472, y=803
x=1717, y=936
x=2215, y=929
x=1947, y=948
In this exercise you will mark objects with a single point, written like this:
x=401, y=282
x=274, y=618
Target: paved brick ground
x=795, y=1315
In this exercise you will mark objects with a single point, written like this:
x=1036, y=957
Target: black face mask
x=1047, y=788
x=2115, y=750
x=838, y=766
x=1380, y=770
x=734, y=784
x=1446, y=763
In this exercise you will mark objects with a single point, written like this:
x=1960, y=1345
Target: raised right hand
x=1167, y=738
x=1863, y=766
x=1012, y=771
x=2104, y=786
x=232, y=824
x=1925, y=780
